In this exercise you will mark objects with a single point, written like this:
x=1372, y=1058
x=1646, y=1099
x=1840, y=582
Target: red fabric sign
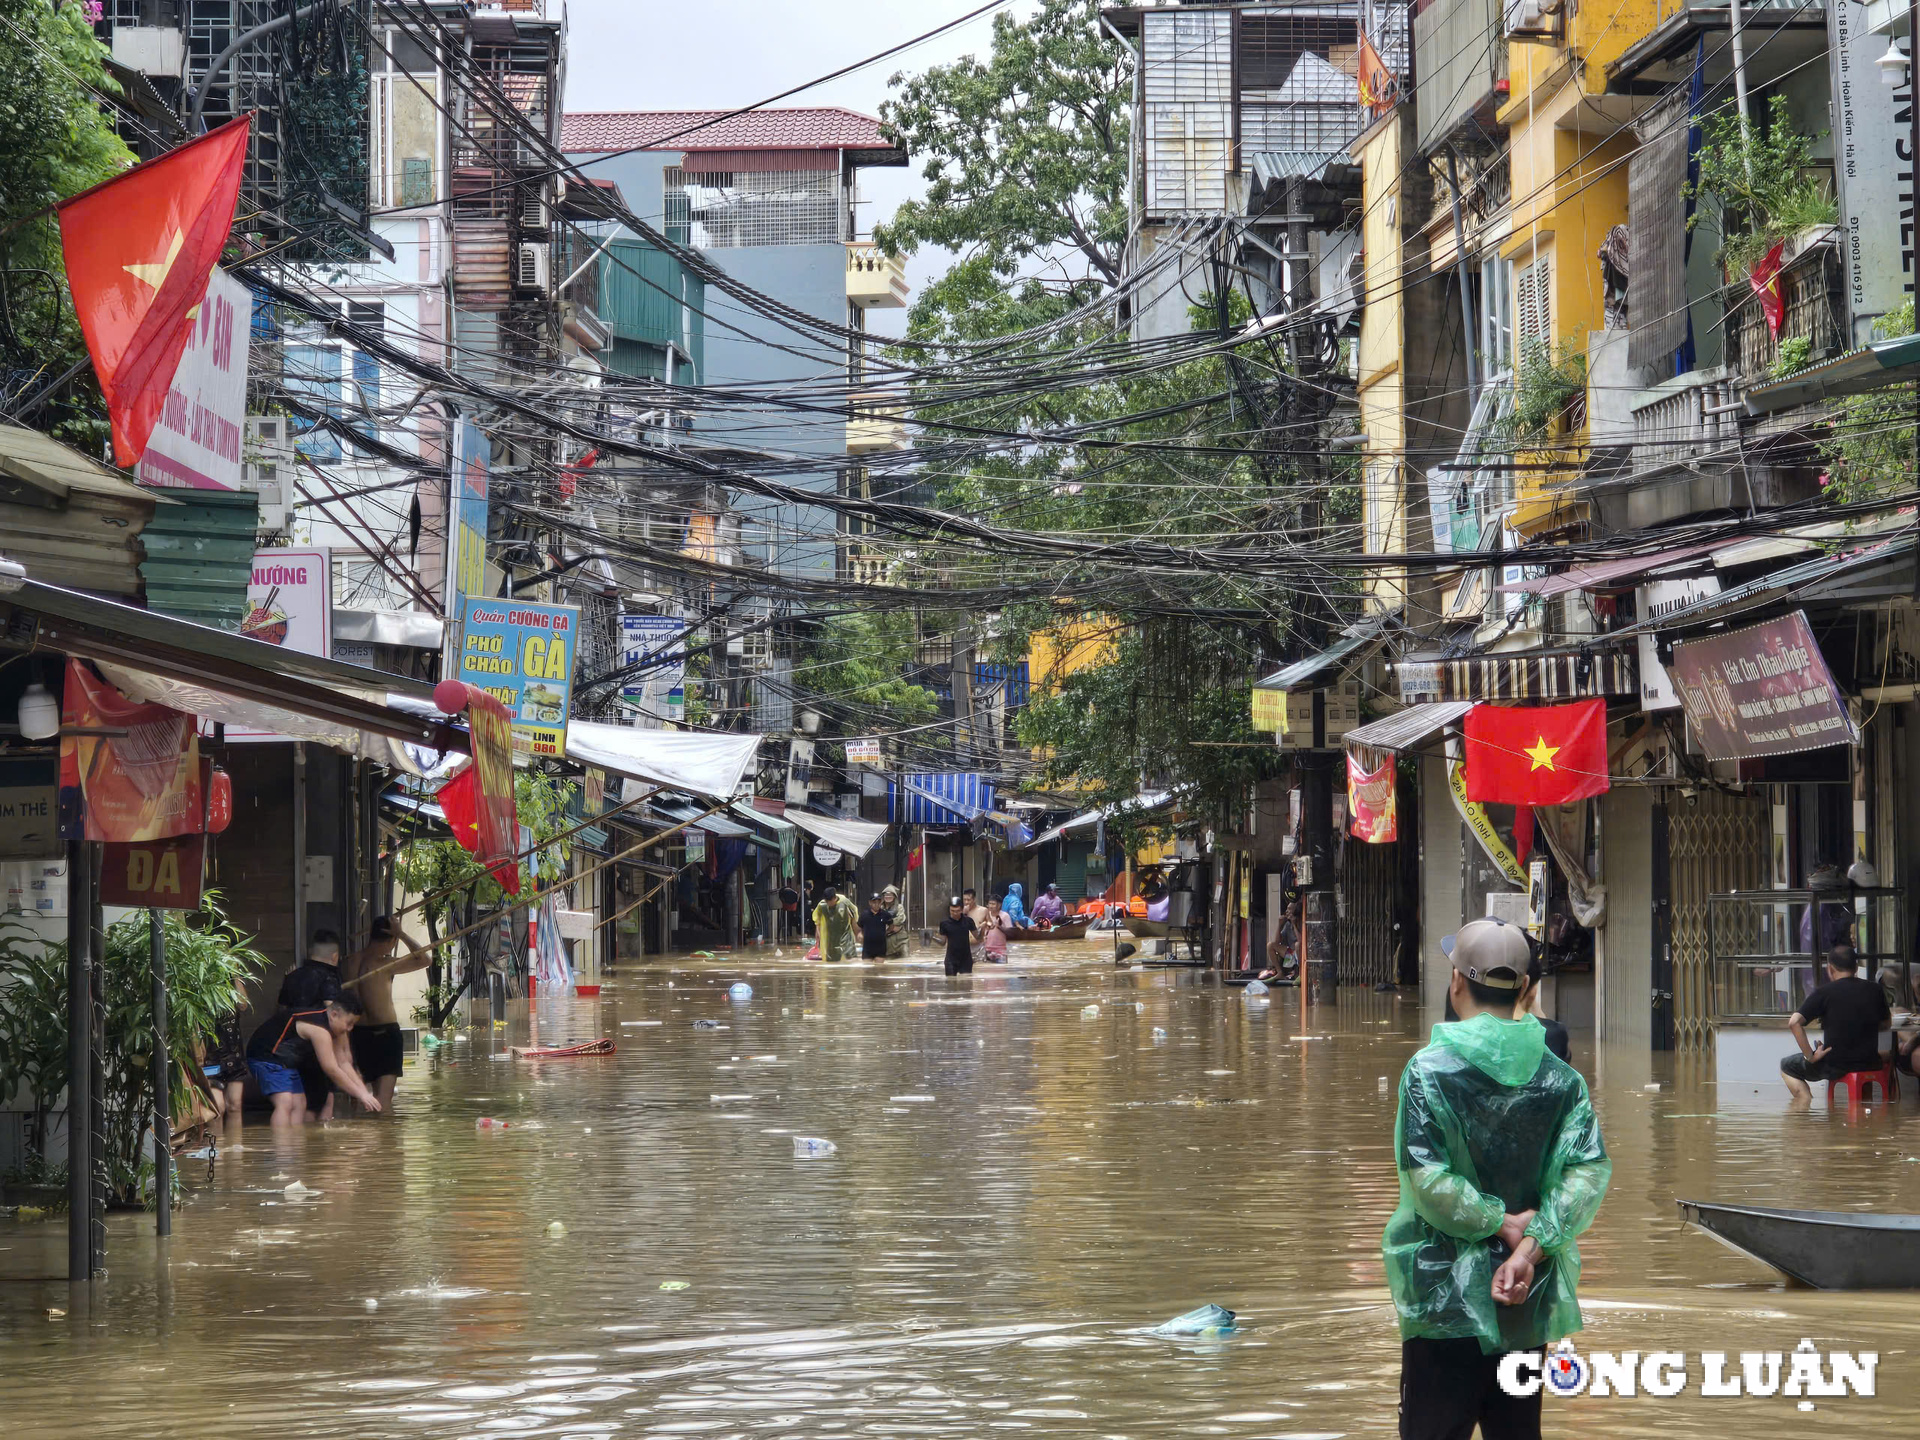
x=1537, y=755
x=492, y=830
x=1765, y=281
x=155, y=874
x=144, y=785
x=1371, y=802
x=139, y=250
x=1378, y=87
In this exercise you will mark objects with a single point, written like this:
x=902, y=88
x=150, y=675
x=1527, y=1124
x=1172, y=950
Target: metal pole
x=97, y=1061
x=1740, y=76
x=299, y=851
x=79, y=1062
x=1466, y=294
x=240, y=42
x=162, y=1081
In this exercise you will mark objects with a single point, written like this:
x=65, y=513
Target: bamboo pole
x=658, y=886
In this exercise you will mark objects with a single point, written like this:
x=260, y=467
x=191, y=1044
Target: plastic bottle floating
x=1208, y=1320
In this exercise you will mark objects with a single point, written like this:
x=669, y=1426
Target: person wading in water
x=1501, y=1168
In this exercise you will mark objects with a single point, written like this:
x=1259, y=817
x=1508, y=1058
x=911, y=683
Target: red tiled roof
x=826, y=128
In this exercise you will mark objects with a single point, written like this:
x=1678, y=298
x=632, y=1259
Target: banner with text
x=521, y=652
x=657, y=643
x=127, y=771
x=1764, y=690
x=197, y=443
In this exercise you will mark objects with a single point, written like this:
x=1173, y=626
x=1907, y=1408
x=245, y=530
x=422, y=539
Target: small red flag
x=456, y=801
x=1765, y=280
x=139, y=249
x=915, y=858
x=1541, y=755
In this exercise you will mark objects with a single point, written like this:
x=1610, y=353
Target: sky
x=719, y=54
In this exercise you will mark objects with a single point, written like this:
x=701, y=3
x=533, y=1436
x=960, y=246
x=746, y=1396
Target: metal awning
x=1303, y=672
x=1610, y=574
x=1406, y=729
x=715, y=824
x=952, y=797
x=1873, y=573
x=1874, y=367
x=710, y=765
x=1143, y=804
x=852, y=838
x=224, y=669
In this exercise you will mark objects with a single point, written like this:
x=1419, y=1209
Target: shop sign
x=1764, y=690
x=657, y=642
x=144, y=784
x=155, y=874
x=467, y=552
x=863, y=752
x=826, y=855
x=196, y=445
x=1481, y=823
x=1651, y=601
x=289, y=604
x=1269, y=711
x=30, y=810
x=521, y=653
x=696, y=843
x=1872, y=172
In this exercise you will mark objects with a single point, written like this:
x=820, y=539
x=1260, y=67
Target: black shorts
x=1448, y=1386
x=377, y=1050
x=1799, y=1067
x=959, y=967
x=318, y=1087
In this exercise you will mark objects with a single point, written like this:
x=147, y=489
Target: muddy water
x=1019, y=1190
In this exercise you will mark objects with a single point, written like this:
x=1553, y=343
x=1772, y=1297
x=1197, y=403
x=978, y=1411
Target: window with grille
x=1187, y=94
x=729, y=209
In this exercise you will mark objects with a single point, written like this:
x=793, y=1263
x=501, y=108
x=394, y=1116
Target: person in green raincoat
x=1501, y=1168
x=836, y=925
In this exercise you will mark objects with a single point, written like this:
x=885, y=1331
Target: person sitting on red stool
x=1852, y=1012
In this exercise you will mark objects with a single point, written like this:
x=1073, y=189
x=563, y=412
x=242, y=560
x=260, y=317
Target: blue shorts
x=275, y=1078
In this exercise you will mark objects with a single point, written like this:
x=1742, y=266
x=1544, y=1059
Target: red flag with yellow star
x=1536, y=755
x=139, y=249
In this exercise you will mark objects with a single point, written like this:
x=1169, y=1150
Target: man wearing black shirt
x=1852, y=1012
x=959, y=930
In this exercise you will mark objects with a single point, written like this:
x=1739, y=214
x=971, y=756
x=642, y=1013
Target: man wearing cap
x=1501, y=1168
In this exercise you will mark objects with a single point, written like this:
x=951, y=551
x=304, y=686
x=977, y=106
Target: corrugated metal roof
x=1407, y=728
x=1301, y=671
x=918, y=799
x=1272, y=165
x=798, y=128
x=199, y=555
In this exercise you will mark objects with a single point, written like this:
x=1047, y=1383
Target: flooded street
x=1020, y=1189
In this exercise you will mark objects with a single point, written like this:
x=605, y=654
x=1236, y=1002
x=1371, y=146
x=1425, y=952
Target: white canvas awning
x=1087, y=819
x=710, y=765
x=852, y=838
x=150, y=689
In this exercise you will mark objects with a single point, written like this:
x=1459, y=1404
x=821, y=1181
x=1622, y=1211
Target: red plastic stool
x=1857, y=1081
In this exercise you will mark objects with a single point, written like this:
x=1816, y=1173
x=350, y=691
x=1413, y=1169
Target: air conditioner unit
x=530, y=271
x=533, y=209
x=1526, y=17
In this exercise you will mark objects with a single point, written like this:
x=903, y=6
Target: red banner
x=155, y=874
x=1764, y=690
x=141, y=785
x=1765, y=280
x=491, y=829
x=1371, y=801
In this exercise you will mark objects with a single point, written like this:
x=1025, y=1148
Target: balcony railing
x=1810, y=284
x=875, y=279
x=1690, y=415
x=875, y=425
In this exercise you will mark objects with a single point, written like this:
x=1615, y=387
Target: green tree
x=860, y=661
x=55, y=141
x=1025, y=157
x=1763, y=176
x=1869, y=451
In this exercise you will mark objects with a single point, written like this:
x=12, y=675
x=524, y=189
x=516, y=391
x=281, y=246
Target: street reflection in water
x=1022, y=1187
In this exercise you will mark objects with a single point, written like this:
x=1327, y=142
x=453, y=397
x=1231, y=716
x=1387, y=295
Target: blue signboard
x=521, y=652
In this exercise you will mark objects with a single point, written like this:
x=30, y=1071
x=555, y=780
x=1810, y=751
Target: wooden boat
x=1068, y=930
x=1142, y=928
x=564, y=1052
x=1827, y=1249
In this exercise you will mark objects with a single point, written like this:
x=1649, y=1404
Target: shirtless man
x=376, y=1039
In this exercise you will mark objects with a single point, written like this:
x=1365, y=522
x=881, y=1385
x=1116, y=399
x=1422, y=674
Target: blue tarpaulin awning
x=947, y=798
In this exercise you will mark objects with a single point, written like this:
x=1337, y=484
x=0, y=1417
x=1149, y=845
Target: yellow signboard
x=1270, y=710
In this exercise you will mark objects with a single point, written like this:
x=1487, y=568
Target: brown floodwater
x=1020, y=1190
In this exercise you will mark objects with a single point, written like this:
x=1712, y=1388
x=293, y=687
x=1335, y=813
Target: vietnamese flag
x=1765, y=282
x=916, y=858
x=139, y=249
x=1536, y=755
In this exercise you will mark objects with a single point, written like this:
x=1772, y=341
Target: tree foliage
x=861, y=661
x=1025, y=156
x=55, y=141
x=1870, y=450
x=1762, y=173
